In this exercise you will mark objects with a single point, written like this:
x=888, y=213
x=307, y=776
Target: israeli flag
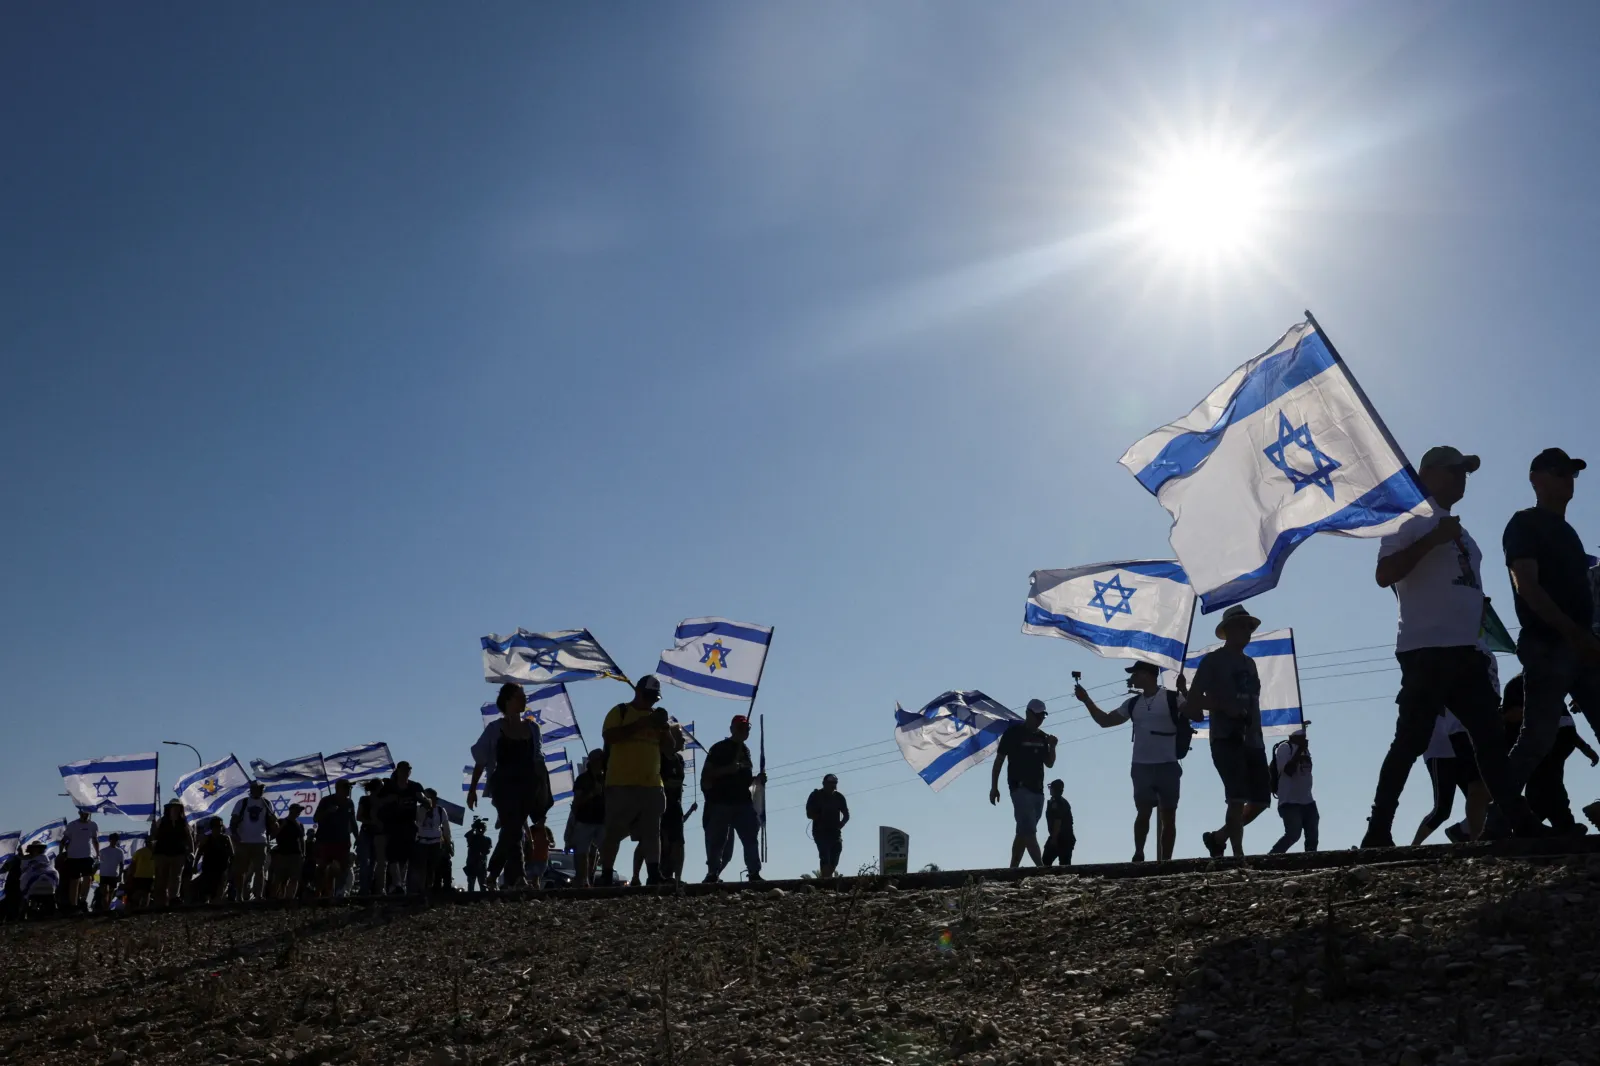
x=1273, y=652
x=49, y=835
x=129, y=842
x=10, y=844
x=561, y=775
x=1286, y=447
x=114, y=784
x=526, y=658
x=363, y=760
x=1138, y=609
x=954, y=732
x=690, y=741
x=208, y=791
x=716, y=656
x=305, y=769
x=550, y=708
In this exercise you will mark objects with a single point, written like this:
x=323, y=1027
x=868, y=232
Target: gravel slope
x=1474, y=960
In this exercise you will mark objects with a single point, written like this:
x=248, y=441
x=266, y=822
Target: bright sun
x=1202, y=201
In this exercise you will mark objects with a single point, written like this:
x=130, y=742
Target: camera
x=1077, y=676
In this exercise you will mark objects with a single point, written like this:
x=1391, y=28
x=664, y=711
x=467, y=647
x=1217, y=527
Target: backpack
x=1273, y=776
x=814, y=805
x=1182, y=728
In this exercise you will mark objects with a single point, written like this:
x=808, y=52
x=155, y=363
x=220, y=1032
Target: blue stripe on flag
x=548, y=692
x=543, y=641
x=1256, y=649
x=987, y=736
x=1103, y=636
x=724, y=629
x=1281, y=716
x=1168, y=569
x=1270, y=379
x=91, y=766
x=706, y=681
x=1397, y=495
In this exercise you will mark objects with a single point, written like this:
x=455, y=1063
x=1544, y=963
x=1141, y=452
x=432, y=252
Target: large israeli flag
x=49, y=835
x=114, y=784
x=550, y=708
x=955, y=731
x=526, y=658
x=1286, y=447
x=129, y=842
x=298, y=780
x=1281, y=713
x=363, y=760
x=717, y=656
x=10, y=844
x=1139, y=609
x=209, y=790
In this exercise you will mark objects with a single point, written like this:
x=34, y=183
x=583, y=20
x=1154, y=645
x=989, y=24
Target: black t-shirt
x=1057, y=809
x=672, y=774
x=1025, y=750
x=397, y=807
x=291, y=838
x=827, y=810
x=730, y=787
x=589, y=799
x=336, y=819
x=1548, y=540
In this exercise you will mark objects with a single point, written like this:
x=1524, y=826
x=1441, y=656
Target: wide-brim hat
x=1234, y=614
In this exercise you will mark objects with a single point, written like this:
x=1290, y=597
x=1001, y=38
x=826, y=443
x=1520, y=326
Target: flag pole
x=755, y=690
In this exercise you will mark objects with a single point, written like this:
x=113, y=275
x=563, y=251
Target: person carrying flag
x=1228, y=687
x=730, y=808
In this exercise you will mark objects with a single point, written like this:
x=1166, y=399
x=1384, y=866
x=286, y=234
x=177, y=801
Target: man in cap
x=1028, y=749
x=828, y=811
x=730, y=808
x=1434, y=567
x=1227, y=685
x=1157, y=716
x=1558, y=648
x=635, y=799
x=1291, y=761
x=252, y=826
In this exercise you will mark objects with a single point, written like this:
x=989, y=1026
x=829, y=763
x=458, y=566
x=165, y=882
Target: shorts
x=77, y=868
x=635, y=810
x=331, y=852
x=1156, y=784
x=1027, y=806
x=1243, y=771
x=587, y=837
x=1466, y=760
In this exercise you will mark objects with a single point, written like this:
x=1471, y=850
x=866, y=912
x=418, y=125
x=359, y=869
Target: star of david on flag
x=1322, y=466
x=1231, y=472
x=951, y=734
x=363, y=760
x=1135, y=609
x=208, y=790
x=114, y=784
x=717, y=656
x=550, y=708
x=525, y=658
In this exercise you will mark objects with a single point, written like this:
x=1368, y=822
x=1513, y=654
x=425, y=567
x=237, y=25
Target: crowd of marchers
x=1504, y=749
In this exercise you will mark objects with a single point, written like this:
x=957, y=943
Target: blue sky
x=335, y=339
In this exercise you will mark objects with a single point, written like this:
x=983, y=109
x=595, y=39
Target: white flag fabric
x=955, y=731
x=690, y=741
x=526, y=658
x=129, y=842
x=1281, y=713
x=363, y=760
x=114, y=784
x=10, y=844
x=550, y=708
x=49, y=835
x=561, y=775
x=298, y=780
x=1137, y=609
x=717, y=656
x=1286, y=447
x=207, y=791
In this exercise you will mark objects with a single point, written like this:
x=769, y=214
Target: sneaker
x=1215, y=845
x=1138, y=856
x=711, y=879
x=606, y=880
x=756, y=879
x=1458, y=834
x=1592, y=812
x=1377, y=838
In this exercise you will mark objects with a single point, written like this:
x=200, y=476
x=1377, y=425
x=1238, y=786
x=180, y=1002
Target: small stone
x=807, y=1014
x=1209, y=1036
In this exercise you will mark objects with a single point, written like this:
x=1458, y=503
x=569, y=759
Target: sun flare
x=1202, y=201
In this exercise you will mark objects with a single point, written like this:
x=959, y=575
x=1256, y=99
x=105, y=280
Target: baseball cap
x=1142, y=665
x=1037, y=707
x=1444, y=455
x=738, y=720
x=1557, y=460
x=651, y=682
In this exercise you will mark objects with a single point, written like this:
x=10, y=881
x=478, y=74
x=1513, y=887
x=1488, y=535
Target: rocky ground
x=1463, y=961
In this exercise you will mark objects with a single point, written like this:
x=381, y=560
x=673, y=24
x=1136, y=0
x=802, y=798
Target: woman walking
x=518, y=784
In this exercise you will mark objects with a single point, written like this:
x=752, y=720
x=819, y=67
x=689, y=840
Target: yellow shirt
x=144, y=862
x=636, y=761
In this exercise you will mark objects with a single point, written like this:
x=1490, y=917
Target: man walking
x=1228, y=687
x=1558, y=648
x=730, y=808
x=1433, y=565
x=335, y=818
x=828, y=811
x=112, y=860
x=1158, y=718
x=673, y=771
x=1060, y=838
x=635, y=799
x=288, y=856
x=252, y=825
x=80, y=846
x=1291, y=761
x=1028, y=749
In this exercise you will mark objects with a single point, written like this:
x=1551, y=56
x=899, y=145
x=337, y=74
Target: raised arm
x=1101, y=718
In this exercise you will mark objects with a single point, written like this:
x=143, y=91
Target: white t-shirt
x=1444, y=727
x=430, y=825
x=112, y=860
x=1292, y=788
x=251, y=825
x=1441, y=600
x=79, y=838
x=1154, y=736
